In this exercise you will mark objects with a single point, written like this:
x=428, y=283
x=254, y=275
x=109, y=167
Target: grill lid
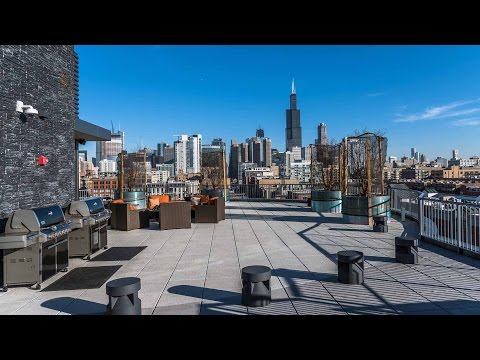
x=95, y=205
x=49, y=215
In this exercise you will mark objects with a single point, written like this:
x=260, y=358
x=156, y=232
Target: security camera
x=30, y=111
x=26, y=109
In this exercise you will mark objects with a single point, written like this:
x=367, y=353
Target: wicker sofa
x=124, y=218
x=212, y=212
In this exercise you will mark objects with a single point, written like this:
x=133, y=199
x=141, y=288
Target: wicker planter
x=326, y=201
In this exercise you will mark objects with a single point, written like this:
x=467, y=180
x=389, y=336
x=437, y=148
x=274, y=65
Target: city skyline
x=227, y=91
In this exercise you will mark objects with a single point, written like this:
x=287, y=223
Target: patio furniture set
x=169, y=214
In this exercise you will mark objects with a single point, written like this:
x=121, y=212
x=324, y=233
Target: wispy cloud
x=437, y=112
x=375, y=94
x=467, y=122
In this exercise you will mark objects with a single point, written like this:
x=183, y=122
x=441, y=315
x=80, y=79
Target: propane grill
x=89, y=218
x=34, y=246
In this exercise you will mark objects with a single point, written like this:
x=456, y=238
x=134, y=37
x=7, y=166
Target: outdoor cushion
x=164, y=199
x=212, y=200
x=152, y=202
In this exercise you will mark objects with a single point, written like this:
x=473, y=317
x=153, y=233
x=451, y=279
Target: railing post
x=458, y=214
x=420, y=215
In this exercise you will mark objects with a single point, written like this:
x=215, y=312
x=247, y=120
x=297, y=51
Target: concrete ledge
x=453, y=248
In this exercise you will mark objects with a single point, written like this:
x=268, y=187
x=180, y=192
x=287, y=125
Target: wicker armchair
x=125, y=219
x=174, y=215
x=210, y=213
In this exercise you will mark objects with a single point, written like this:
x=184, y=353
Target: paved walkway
x=197, y=270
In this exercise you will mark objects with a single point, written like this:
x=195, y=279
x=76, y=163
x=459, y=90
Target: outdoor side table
x=350, y=267
x=123, y=296
x=256, y=289
x=406, y=249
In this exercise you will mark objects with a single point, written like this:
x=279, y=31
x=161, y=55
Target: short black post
x=350, y=267
x=380, y=223
x=256, y=289
x=406, y=249
x=123, y=296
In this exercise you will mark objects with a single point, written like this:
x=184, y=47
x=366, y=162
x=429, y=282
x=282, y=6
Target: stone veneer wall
x=46, y=77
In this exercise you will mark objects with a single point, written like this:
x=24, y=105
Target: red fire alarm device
x=42, y=160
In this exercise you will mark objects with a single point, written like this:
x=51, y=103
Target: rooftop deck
x=197, y=270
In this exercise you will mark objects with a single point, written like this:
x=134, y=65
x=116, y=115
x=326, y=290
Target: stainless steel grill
x=89, y=219
x=34, y=246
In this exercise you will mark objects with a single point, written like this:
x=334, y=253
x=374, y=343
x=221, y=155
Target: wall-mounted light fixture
x=26, y=109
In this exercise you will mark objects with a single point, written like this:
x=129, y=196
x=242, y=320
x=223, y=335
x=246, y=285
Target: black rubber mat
x=119, y=253
x=91, y=277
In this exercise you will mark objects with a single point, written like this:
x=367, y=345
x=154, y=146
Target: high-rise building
x=188, y=154
x=322, y=134
x=296, y=153
x=307, y=152
x=243, y=157
x=412, y=153
x=82, y=155
x=417, y=156
x=219, y=142
x=255, y=147
x=234, y=160
x=106, y=166
x=160, y=148
x=260, y=133
x=293, y=131
x=267, y=152
x=168, y=154
x=170, y=168
x=441, y=161
x=455, y=154
x=180, y=151
x=110, y=149
x=194, y=154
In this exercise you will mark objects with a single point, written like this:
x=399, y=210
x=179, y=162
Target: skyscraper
x=160, y=149
x=455, y=154
x=168, y=154
x=267, y=152
x=110, y=149
x=293, y=131
x=194, y=154
x=234, y=160
x=412, y=153
x=219, y=142
x=181, y=151
x=243, y=158
x=188, y=154
x=322, y=134
x=260, y=133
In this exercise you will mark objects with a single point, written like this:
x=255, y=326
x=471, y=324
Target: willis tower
x=293, y=131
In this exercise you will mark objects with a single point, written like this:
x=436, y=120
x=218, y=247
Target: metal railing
x=453, y=223
x=86, y=193
x=406, y=201
x=273, y=192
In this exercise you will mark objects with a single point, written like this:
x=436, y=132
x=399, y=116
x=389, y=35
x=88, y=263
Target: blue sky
x=427, y=97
